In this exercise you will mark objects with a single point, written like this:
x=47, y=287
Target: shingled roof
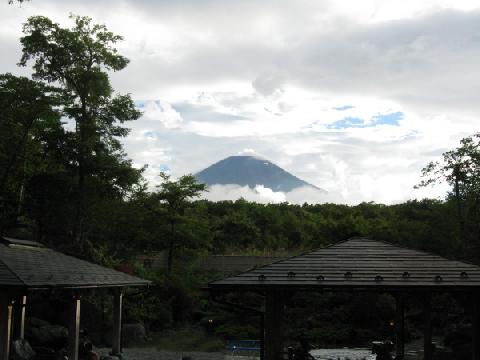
x=358, y=263
x=26, y=264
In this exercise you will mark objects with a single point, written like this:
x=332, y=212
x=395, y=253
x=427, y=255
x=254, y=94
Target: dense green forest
x=65, y=181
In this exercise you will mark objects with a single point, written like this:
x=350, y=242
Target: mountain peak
x=247, y=170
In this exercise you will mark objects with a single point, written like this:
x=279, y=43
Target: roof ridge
x=450, y=258
x=286, y=258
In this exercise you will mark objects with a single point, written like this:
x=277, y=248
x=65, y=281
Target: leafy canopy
x=460, y=166
x=177, y=193
x=78, y=59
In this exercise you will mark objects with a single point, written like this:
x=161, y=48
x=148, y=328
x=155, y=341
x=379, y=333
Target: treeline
x=241, y=227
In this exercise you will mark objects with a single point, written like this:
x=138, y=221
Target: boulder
x=21, y=350
x=49, y=335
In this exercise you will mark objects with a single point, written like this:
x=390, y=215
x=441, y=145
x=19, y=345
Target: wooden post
x=74, y=327
x=427, y=327
x=262, y=337
x=5, y=326
x=273, y=325
x=117, y=322
x=19, y=317
x=400, y=326
x=476, y=327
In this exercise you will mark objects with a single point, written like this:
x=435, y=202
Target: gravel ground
x=154, y=354
x=413, y=353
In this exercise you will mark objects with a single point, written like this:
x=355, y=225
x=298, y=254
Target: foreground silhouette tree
x=77, y=60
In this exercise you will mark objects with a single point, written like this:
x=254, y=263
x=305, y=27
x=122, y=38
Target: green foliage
x=28, y=124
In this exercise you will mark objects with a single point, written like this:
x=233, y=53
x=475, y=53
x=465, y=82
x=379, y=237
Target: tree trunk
x=459, y=207
x=81, y=129
x=171, y=246
x=13, y=158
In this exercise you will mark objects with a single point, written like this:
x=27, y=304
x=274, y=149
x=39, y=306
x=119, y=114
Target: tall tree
x=77, y=60
x=176, y=196
x=460, y=168
x=28, y=115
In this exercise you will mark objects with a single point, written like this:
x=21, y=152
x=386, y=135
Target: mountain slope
x=251, y=171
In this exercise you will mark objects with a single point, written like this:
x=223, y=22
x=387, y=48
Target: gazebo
x=27, y=266
x=360, y=264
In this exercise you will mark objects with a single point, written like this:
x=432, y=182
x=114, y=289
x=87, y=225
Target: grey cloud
x=268, y=84
x=193, y=112
x=424, y=60
x=427, y=62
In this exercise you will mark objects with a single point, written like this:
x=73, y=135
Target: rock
x=49, y=335
x=21, y=350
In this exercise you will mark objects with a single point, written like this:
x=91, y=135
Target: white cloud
x=264, y=195
x=269, y=194
x=162, y=111
x=234, y=192
x=250, y=152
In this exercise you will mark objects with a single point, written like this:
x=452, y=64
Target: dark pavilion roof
x=29, y=265
x=358, y=263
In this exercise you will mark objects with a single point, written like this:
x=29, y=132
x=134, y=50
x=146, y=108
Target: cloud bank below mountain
x=264, y=195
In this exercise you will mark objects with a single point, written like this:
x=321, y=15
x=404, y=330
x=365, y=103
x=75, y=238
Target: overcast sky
x=352, y=96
